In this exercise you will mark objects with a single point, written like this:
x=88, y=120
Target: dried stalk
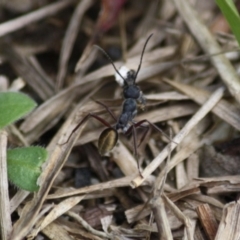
x=180, y=216
x=5, y=214
x=208, y=220
x=158, y=206
x=87, y=226
x=161, y=218
x=229, y=228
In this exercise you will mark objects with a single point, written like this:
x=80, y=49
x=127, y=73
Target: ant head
x=131, y=78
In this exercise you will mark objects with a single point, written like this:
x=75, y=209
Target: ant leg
x=144, y=134
x=135, y=148
x=154, y=126
x=134, y=140
x=101, y=120
x=108, y=109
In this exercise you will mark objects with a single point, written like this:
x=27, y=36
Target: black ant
x=133, y=96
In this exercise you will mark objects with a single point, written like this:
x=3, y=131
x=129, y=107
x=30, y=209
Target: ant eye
x=131, y=73
x=107, y=140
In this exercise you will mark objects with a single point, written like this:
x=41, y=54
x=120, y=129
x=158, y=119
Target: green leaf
x=13, y=106
x=232, y=16
x=24, y=166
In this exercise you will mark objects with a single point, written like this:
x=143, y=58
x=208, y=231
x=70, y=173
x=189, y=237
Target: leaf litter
x=189, y=184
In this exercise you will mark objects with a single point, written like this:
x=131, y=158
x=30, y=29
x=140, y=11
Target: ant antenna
x=111, y=61
x=142, y=56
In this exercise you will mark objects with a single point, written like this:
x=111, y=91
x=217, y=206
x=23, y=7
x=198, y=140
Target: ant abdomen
x=107, y=140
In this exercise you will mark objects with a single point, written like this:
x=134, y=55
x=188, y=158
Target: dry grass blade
x=57, y=231
x=122, y=182
x=207, y=199
x=215, y=185
x=175, y=196
x=5, y=215
x=212, y=101
x=137, y=213
x=73, y=228
x=161, y=217
x=124, y=159
x=158, y=206
x=208, y=220
x=166, y=96
x=229, y=228
x=18, y=199
x=167, y=113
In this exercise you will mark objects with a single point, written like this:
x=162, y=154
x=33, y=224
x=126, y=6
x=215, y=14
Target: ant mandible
x=132, y=97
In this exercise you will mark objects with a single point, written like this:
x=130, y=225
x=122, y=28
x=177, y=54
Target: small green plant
x=231, y=14
x=24, y=164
